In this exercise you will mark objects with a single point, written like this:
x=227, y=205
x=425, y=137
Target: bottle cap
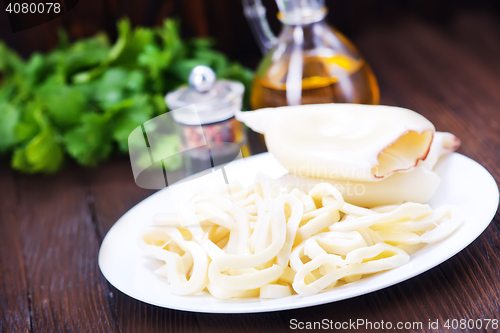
x=215, y=100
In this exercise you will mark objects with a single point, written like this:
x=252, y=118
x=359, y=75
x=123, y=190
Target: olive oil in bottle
x=324, y=79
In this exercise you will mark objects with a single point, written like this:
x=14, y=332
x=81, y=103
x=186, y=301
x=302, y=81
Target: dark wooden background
x=440, y=58
x=224, y=20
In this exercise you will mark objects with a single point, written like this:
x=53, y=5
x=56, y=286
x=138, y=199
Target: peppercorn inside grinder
x=210, y=133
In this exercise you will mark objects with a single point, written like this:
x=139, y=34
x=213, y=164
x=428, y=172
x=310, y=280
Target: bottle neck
x=303, y=16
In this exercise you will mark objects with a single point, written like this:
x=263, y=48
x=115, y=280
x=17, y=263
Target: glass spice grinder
x=210, y=133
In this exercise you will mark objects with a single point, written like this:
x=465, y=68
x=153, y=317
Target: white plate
x=465, y=183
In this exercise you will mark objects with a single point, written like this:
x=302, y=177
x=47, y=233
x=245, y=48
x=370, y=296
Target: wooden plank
x=114, y=192
x=194, y=15
x=68, y=292
x=14, y=296
x=447, y=84
x=135, y=316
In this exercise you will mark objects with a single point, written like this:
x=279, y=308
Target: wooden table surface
x=51, y=227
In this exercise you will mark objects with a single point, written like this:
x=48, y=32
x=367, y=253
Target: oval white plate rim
x=207, y=305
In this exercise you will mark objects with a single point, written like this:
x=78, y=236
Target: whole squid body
x=374, y=154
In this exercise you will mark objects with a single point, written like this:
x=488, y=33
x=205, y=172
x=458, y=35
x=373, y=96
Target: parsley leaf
x=90, y=142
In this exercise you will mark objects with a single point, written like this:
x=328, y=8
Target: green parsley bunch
x=83, y=99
